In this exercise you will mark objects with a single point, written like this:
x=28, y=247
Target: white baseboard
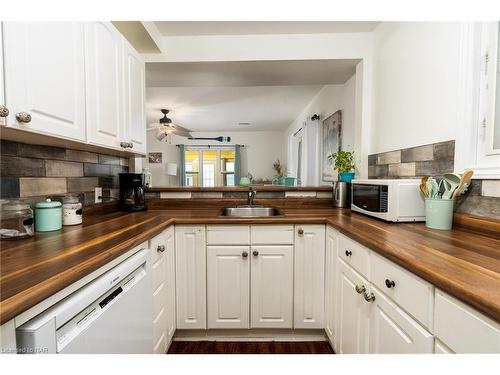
x=251, y=335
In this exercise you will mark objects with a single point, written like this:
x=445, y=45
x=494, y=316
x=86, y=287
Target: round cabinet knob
x=160, y=248
x=360, y=289
x=126, y=144
x=23, y=117
x=369, y=297
x=4, y=111
x=390, y=283
x=300, y=232
x=348, y=253
x=244, y=254
x=255, y=253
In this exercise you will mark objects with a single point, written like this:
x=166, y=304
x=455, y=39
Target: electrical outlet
x=98, y=195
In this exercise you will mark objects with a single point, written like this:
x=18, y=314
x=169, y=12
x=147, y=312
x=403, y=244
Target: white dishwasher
x=111, y=314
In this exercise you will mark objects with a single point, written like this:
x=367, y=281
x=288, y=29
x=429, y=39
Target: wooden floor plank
x=252, y=347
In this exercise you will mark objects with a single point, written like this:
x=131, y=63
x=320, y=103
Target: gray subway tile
x=41, y=152
x=433, y=168
x=57, y=168
x=81, y=156
x=391, y=157
x=372, y=159
x=38, y=186
x=82, y=184
x=420, y=153
x=14, y=166
x=378, y=171
x=96, y=170
x=235, y=194
x=125, y=162
x=270, y=194
x=116, y=169
x=8, y=147
x=9, y=187
x=109, y=159
x=402, y=170
x=206, y=194
x=444, y=150
x=109, y=182
x=480, y=206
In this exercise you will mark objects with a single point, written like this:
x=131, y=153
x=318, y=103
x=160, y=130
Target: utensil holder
x=439, y=213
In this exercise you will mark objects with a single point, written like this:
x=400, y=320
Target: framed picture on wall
x=332, y=142
x=155, y=157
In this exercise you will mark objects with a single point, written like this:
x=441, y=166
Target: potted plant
x=344, y=164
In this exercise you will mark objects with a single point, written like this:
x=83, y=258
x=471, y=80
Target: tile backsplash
x=482, y=199
x=32, y=172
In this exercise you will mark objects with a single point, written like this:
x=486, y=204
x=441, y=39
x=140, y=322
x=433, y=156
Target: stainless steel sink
x=250, y=211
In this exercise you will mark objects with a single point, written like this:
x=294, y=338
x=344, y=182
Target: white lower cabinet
x=190, y=277
x=330, y=283
x=272, y=287
x=163, y=271
x=393, y=331
x=309, y=276
x=353, y=312
x=228, y=286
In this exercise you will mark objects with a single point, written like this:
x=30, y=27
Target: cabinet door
x=272, y=287
x=134, y=92
x=190, y=277
x=393, y=331
x=105, y=112
x=330, y=282
x=45, y=76
x=160, y=289
x=353, y=312
x=228, y=286
x=3, y=120
x=309, y=307
x=170, y=283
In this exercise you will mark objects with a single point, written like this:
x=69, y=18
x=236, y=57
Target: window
x=209, y=167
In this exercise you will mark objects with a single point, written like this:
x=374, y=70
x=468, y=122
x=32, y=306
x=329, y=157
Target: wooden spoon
x=465, y=179
x=423, y=185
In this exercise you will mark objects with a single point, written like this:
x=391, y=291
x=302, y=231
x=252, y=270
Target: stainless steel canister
x=341, y=194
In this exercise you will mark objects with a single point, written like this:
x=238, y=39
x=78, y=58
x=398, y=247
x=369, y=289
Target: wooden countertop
x=464, y=264
x=240, y=188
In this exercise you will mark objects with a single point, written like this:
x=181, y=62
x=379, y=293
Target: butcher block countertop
x=461, y=262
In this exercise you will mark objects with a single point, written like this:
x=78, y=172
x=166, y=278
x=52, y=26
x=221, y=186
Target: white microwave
x=391, y=200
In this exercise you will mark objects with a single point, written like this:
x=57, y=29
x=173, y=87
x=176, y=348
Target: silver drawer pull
x=23, y=117
x=360, y=289
x=369, y=297
x=160, y=248
x=4, y=111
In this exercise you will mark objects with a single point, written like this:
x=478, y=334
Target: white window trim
x=200, y=149
x=473, y=105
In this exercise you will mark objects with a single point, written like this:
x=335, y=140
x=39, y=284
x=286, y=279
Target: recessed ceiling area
x=216, y=96
x=192, y=28
x=250, y=73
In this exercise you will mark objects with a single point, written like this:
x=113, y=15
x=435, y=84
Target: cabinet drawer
x=154, y=243
x=272, y=234
x=354, y=254
x=412, y=293
x=462, y=328
x=159, y=327
x=158, y=272
x=228, y=234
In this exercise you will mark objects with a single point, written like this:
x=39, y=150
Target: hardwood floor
x=265, y=347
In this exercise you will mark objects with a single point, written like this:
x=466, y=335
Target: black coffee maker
x=132, y=192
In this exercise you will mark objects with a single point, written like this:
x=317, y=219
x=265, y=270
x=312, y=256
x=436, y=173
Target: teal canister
x=48, y=216
x=439, y=213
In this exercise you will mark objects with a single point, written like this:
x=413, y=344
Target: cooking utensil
x=423, y=186
x=452, y=181
x=465, y=179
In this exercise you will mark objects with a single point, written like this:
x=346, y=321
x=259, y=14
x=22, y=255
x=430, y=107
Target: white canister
x=71, y=210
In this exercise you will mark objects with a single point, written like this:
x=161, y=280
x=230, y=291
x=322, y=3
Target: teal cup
x=439, y=213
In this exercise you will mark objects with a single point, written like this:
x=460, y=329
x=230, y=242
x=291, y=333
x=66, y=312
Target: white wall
x=330, y=99
x=261, y=149
x=415, y=84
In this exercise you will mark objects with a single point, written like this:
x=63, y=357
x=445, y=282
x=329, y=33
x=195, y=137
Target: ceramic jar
x=48, y=216
x=71, y=210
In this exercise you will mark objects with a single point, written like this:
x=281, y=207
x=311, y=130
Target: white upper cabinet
x=45, y=77
x=228, y=286
x=272, y=287
x=309, y=307
x=105, y=107
x=190, y=277
x=135, y=86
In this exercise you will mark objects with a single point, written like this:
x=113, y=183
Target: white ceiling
x=184, y=28
x=221, y=108
x=250, y=73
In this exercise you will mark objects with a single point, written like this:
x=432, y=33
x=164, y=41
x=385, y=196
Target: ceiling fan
x=165, y=127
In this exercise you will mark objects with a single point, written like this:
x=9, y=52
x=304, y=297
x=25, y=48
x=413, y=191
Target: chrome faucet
x=251, y=196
